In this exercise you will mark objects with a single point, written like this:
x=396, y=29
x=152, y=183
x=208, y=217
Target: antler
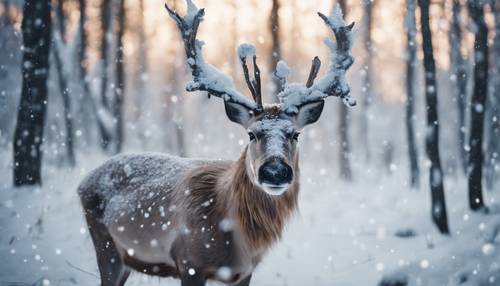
x=244, y=51
x=333, y=83
x=206, y=77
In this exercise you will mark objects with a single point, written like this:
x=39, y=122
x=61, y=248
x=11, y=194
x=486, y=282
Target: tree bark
x=478, y=102
x=82, y=49
x=493, y=146
x=86, y=106
x=60, y=18
x=460, y=77
x=120, y=79
x=411, y=61
x=275, y=44
x=367, y=77
x=106, y=26
x=438, y=203
x=28, y=137
x=345, y=145
x=62, y=76
x=63, y=88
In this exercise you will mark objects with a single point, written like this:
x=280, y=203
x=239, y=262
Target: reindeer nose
x=275, y=172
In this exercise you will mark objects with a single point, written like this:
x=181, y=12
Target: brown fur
x=261, y=216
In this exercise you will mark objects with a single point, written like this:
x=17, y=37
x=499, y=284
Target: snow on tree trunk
x=492, y=170
x=459, y=77
x=345, y=145
x=438, y=203
x=411, y=57
x=477, y=106
x=28, y=138
x=367, y=77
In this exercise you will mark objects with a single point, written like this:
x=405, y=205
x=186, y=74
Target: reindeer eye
x=296, y=136
x=251, y=136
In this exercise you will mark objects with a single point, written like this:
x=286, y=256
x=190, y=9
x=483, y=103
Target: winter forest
x=399, y=161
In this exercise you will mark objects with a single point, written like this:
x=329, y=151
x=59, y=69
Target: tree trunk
x=106, y=33
x=28, y=137
x=478, y=101
x=411, y=61
x=367, y=77
x=63, y=88
x=460, y=78
x=60, y=18
x=85, y=108
x=120, y=79
x=275, y=45
x=345, y=145
x=438, y=208
x=82, y=49
x=141, y=78
x=493, y=146
x=62, y=76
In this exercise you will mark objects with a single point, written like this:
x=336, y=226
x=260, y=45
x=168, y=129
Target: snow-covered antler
x=206, y=77
x=333, y=83
x=245, y=51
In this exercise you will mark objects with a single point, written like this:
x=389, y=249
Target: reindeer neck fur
x=262, y=217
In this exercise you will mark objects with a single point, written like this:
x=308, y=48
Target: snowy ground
x=343, y=235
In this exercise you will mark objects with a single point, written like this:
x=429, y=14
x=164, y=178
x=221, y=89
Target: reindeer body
x=207, y=219
x=168, y=216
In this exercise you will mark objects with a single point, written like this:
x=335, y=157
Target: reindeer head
x=273, y=130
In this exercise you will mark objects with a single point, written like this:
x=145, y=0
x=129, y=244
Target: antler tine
x=254, y=85
x=243, y=60
x=333, y=83
x=281, y=73
x=256, y=82
x=315, y=65
x=205, y=77
x=341, y=59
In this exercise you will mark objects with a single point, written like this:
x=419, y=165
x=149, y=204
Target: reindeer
x=209, y=219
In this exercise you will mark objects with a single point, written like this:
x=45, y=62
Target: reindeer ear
x=238, y=113
x=309, y=113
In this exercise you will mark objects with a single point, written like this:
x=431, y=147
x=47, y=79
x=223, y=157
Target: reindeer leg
x=111, y=268
x=246, y=281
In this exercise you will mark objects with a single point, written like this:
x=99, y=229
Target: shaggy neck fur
x=262, y=217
